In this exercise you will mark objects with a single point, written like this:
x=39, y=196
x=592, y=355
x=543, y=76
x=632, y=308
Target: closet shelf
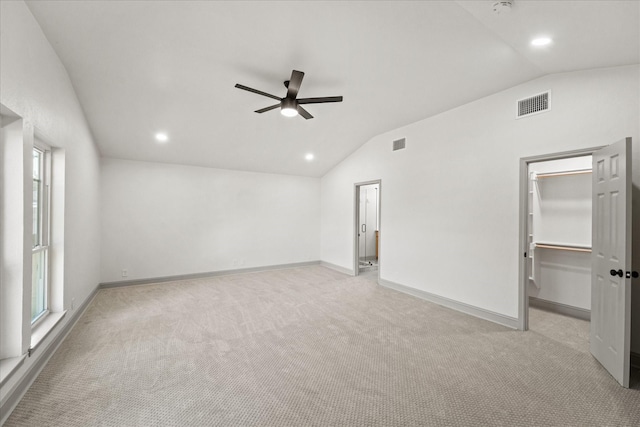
x=562, y=246
x=563, y=173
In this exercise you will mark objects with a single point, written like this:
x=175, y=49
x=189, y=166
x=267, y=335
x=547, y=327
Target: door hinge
x=525, y=254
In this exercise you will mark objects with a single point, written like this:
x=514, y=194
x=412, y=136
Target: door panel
x=611, y=258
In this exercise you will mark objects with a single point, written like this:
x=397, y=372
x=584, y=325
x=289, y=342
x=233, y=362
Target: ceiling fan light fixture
x=289, y=112
x=289, y=107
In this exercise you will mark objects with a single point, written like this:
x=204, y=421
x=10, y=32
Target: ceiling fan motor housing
x=289, y=103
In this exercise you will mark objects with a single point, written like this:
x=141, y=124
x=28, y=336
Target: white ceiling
x=143, y=66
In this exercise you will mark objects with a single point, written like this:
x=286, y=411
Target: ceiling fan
x=290, y=106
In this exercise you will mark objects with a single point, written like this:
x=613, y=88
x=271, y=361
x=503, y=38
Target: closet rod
x=563, y=247
x=552, y=174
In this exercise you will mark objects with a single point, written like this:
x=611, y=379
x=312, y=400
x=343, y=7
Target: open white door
x=611, y=259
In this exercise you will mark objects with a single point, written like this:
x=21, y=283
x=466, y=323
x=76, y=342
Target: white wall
x=15, y=248
x=563, y=277
x=163, y=220
x=36, y=86
x=449, y=204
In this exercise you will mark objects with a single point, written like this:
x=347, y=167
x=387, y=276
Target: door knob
x=617, y=273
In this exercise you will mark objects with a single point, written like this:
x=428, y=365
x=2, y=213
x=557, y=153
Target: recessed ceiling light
x=541, y=41
x=309, y=157
x=162, y=137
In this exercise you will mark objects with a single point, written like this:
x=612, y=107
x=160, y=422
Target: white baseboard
x=510, y=322
x=150, y=280
x=337, y=268
x=556, y=307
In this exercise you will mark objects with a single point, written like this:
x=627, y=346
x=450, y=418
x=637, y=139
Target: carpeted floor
x=312, y=347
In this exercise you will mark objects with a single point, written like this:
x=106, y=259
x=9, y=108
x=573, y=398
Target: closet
x=559, y=235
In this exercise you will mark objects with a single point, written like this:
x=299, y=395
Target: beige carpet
x=311, y=347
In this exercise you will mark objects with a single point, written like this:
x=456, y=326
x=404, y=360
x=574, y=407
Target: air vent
x=399, y=144
x=534, y=104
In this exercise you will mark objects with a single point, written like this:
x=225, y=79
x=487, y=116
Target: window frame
x=43, y=224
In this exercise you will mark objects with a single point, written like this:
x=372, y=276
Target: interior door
x=611, y=259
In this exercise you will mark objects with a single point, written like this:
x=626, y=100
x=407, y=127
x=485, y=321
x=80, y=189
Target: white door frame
x=356, y=224
x=523, y=294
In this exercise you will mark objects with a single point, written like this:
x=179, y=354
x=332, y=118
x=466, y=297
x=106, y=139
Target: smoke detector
x=502, y=6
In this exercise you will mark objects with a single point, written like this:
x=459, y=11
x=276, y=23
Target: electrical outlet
x=125, y=273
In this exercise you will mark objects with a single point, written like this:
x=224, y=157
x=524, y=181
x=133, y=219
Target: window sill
x=8, y=366
x=43, y=328
x=38, y=333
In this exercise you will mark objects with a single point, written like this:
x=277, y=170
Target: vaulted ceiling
x=140, y=67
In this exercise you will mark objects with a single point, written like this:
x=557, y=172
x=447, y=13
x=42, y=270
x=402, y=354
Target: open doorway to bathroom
x=367, y=238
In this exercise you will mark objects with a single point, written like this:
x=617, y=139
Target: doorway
x=610, y=251
x=559, y=231
x=536, y=173
x=367, y=228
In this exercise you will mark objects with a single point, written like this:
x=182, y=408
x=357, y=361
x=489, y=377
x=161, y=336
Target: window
x=40, y=247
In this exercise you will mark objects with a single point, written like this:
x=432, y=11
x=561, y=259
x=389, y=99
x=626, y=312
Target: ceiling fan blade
x=264, y=110
x=320, y=100
x=304, y=113
x=259, y=92
x=294, y=84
